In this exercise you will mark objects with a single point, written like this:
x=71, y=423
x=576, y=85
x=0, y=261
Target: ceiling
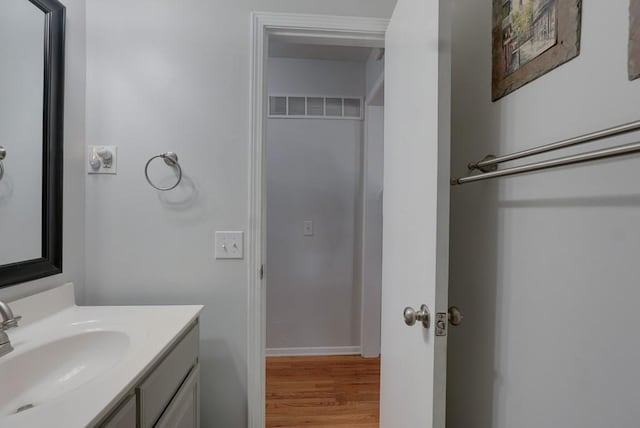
x=278, y=49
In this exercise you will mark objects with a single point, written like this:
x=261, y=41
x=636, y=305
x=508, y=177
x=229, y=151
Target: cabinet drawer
x=124, y=416
x=158, y=389
x=184, y=410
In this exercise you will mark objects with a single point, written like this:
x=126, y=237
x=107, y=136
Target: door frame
x=366, y=317
x=313, y=29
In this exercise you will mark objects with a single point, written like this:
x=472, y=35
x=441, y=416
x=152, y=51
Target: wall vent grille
x=315, y=107
x=297, y=106
x=277, y=106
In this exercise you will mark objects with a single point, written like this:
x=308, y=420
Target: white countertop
x=52, y=315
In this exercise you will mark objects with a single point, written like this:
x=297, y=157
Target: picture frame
x=634, y=39
x=530, y=39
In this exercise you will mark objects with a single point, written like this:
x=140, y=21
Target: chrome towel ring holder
x=170, y=159
x=3, y=154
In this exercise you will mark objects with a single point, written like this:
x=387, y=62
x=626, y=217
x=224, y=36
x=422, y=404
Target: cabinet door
x=124, y=416
x=158, y=389
x=184, y=409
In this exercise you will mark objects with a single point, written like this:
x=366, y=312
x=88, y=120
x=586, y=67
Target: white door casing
x=416, y=212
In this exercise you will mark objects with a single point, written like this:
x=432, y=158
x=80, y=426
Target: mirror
x=21, y=84
x=31, y=116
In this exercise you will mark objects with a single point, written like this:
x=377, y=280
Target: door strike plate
x=442, y=320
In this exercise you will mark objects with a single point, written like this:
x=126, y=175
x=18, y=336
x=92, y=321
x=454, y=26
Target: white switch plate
x=100, y=154
x=229, y=245
x=308, y=228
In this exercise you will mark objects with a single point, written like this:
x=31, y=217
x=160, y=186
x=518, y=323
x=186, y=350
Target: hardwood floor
x=342, y=391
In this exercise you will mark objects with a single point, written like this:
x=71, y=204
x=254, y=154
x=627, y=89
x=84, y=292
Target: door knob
x=3, y=154
x=423, y=315
x=455, y=316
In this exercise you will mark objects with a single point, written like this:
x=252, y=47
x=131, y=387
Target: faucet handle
x=12, y=323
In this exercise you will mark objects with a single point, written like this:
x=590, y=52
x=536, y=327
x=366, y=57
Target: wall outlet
x=229, y=245
x=102, y=159
x=308, y=228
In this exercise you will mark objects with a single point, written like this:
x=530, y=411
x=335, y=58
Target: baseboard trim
x=315, y=351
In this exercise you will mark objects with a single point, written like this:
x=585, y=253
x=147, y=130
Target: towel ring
x=170, y=159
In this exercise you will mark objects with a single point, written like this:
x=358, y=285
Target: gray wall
x=374, y=69
x=74, y=184
x=371, y=259
x=545, y=266
x=370, y=263
x=166, y=75
x=313, y=173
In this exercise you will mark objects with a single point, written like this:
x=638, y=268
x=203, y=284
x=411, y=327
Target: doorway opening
x=324, y=172
x=317, y=202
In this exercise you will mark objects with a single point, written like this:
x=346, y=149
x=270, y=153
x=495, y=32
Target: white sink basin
x=72, y=365
x=39, y=374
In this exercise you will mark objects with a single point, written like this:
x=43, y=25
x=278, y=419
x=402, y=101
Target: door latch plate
x=442, y=320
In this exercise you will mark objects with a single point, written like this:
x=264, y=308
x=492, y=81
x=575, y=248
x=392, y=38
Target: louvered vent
x=277, y=106
x=352, y=107
x=334, y=107
x=297, y=107
x=315, y=106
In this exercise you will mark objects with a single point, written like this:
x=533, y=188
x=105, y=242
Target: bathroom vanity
x=112, y=366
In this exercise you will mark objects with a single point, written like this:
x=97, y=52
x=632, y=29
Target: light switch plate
x=308, y=228
x=229, y=245
x=102, y=160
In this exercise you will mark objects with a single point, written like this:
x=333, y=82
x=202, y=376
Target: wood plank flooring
x=342, y=391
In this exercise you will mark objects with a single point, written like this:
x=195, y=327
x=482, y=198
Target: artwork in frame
x=531, y=38
x=634, y=40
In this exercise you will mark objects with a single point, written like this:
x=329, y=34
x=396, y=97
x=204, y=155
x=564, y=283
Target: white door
x=416, y=212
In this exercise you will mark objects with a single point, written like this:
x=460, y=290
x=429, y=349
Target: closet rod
x=552, y=163
x=490, y=163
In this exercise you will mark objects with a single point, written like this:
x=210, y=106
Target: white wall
x=166, y=75
x=371, y=260
x=545, y=266
x=74, y=185
x=313, y=170
x=21, y=86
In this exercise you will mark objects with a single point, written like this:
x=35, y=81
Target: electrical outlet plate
x=308, y=228
x=102, y=160
x=229, y=245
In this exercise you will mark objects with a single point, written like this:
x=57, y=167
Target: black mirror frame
x=52, y=153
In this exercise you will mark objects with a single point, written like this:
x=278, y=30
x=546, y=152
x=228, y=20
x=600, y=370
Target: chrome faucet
x=7, y=321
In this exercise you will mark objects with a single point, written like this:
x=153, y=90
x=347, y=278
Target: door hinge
x=261, y=272
x=442, y=321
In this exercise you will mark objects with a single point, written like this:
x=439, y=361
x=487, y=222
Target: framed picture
x=531, y=38
x=634, y=40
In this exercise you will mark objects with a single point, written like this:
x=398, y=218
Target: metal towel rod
x=568, y=160
x=489, y=165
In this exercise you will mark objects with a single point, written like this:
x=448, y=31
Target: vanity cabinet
x=168, y=396
x=125, y=416
x=185, y=406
